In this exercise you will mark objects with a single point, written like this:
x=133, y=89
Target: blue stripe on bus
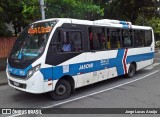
x=112, y=62
x=74, y=69
x=119, y=62
x=140, y=57
x=47, y=72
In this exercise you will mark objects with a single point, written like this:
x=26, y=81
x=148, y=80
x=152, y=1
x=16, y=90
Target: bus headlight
x=33, y=70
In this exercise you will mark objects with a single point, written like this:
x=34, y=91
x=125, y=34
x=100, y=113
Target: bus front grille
x=20, y=85
x=17, y=76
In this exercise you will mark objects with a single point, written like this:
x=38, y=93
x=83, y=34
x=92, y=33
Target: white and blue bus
x=59, y=55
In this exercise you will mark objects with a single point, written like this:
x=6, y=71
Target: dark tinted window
x=138, y=38
x=127, y=38
x=66, y=41
x=97, y=38
x=148, y=38
x=142, y=38
x=114, y=37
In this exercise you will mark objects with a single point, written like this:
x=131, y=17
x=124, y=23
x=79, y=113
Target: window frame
x=129, y=36
x=118, y=36
x=62, y=38
x=141, y=46
x=104, y=29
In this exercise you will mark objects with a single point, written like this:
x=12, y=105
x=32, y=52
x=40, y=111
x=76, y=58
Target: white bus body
x=61, y=72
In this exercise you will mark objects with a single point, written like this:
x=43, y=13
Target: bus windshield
x=31, y=42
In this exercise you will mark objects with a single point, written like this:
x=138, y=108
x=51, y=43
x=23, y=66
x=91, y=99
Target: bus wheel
x=62, y=90
x=131, y=71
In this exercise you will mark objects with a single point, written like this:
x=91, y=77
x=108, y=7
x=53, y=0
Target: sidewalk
x=3, y=78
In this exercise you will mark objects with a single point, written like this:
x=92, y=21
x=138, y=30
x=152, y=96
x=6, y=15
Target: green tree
x=31, y=11
x=129, y=9
x=12, y=13
x=73, y=9
x=155, y=23
x=3, y=29
x=22, y=12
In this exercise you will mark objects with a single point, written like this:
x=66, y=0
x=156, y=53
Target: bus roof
x=102, y=22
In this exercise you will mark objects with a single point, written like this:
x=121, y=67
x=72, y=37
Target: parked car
x=157, y=43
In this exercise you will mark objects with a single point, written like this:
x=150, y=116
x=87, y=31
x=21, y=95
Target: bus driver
x=66, y=46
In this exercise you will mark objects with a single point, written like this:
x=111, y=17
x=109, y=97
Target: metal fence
x=5, y=48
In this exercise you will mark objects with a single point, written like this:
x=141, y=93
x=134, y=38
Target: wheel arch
x=70, y=80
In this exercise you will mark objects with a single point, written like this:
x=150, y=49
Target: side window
x=66, y=41
x=97, y=38
x=75, y=40
x=148, y=37
x=55, y=45
x=139, y=37
x=127, y=38
x=114, y=37
x=90, y=34
x=72, y=41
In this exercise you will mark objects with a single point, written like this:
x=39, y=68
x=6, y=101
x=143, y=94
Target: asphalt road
x=141, y=91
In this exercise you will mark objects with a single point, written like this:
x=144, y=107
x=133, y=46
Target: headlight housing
x=33, y=70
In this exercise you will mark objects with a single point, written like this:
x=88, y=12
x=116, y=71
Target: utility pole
x=42, y=9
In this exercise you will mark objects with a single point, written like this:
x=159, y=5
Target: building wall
x=6, y=44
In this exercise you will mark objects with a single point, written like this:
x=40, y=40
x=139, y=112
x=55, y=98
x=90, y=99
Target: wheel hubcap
x=60, y=90
x=132, y=70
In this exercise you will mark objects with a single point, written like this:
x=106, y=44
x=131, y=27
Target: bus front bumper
x=34, y=84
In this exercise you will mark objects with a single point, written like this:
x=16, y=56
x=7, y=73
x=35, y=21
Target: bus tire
x=131, y=71
x=62, y=90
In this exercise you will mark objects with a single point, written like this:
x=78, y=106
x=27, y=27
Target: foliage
x=31, y=11
x=129, y=9
x=3, y=31
x=11, y=13
x=72, y=9
x=155, y=23
x=22, y=12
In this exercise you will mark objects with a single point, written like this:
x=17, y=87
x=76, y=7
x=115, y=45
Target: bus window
x=127, y=38
x=103, y=38
x=148, y=37
x=114, y=36
x=97, y=38
x=143, y=38
x=75, y=39
x=56, y=43
x=90, y=38
x=139, y=37
x=71, y=41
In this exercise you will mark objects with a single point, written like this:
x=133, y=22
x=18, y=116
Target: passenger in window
x=91, y=40
x=103, y=40
x=66, y=46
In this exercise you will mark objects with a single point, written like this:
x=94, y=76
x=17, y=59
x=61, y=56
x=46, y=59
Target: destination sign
x=39, y=30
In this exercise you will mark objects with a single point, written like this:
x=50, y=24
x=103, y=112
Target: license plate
x=16, y=83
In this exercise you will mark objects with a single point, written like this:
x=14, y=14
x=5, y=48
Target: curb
x=5, y=83
x=2, y=69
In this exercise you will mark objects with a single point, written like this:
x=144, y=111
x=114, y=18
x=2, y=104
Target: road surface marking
x=95, y=93
x=100, y=91
x=152, y=66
